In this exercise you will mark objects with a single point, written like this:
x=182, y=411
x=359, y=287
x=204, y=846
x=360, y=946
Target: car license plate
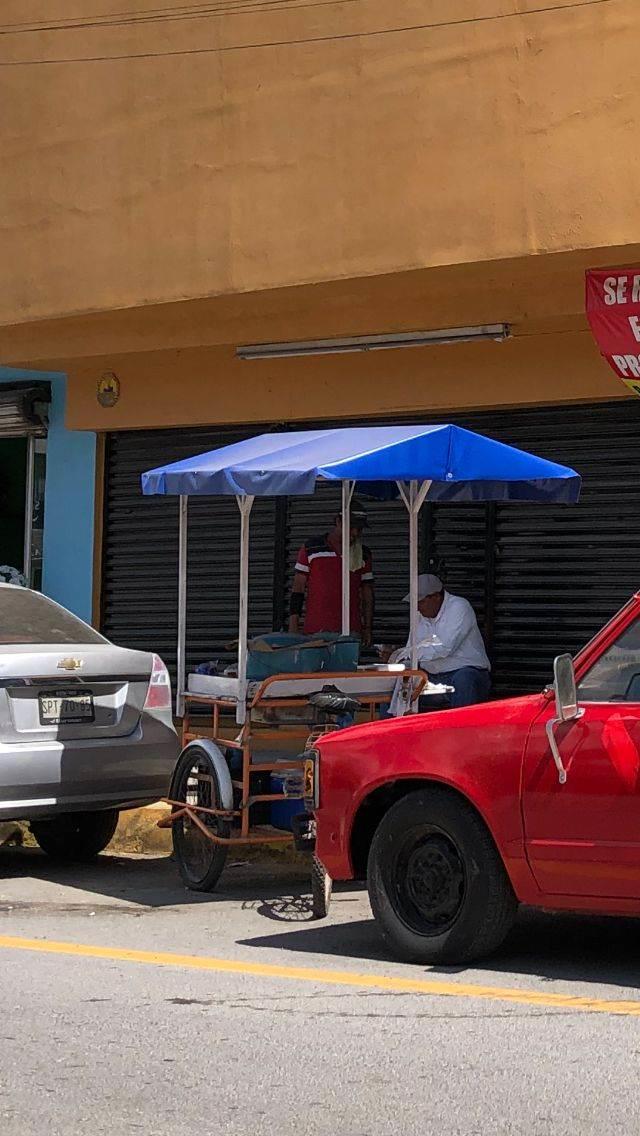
x=66, y=707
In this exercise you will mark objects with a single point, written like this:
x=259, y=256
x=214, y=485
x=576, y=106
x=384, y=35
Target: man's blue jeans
x=471, y=685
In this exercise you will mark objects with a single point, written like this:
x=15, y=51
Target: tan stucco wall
x=533, y=294
x=177, y=363
x=209, y=385
x=306, y=142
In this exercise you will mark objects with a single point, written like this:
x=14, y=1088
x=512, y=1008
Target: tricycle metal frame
x=413, y=495
x=223, y=734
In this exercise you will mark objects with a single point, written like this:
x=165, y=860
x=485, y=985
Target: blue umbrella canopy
x=460, y=464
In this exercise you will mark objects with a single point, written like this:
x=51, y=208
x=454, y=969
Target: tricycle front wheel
x=195, y=782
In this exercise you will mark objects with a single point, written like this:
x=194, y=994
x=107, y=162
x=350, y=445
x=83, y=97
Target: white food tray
x=378, y=682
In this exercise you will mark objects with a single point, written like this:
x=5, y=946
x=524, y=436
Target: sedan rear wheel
x=76, y=836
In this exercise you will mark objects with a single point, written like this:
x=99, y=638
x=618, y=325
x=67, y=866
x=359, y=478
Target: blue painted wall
x=69, y=502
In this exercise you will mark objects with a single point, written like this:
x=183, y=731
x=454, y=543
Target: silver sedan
x=86, y=728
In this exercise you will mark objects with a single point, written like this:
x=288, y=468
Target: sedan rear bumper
x=54, y=777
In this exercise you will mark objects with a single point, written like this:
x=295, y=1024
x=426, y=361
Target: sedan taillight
x=159, y=692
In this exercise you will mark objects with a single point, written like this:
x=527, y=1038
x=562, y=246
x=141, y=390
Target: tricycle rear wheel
x=195, y=782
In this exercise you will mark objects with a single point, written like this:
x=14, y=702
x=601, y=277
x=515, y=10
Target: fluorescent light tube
x=494, y=331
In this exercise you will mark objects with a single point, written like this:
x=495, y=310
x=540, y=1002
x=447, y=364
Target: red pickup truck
x=455, y=817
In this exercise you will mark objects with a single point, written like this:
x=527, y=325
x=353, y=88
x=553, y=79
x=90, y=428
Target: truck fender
x=220, y=765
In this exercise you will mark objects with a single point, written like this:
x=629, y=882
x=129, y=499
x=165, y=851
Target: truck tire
x=76, y=836
x=438, y=888
x=195, y=781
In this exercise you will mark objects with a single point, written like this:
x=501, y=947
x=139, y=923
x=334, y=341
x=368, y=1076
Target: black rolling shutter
x=140, y=552
x=457, y=545
x=551, y=576
x=24, y=409
x=139, y=598
x=542, y=580
x=561, y=573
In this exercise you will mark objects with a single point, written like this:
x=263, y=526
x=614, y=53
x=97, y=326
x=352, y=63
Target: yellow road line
x=329, y=977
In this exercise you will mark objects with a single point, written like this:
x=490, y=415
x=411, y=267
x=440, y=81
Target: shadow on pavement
x=358, y=939
x=574, y=948
x=142, y=881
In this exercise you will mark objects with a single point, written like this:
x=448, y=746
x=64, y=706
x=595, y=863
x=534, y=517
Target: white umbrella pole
x=413, y=496
x=244, y=505
x=182, y=604
x=413, y=572
x=347, y=494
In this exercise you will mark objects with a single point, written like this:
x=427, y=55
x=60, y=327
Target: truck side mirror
x=564, y=685
x=567, y=709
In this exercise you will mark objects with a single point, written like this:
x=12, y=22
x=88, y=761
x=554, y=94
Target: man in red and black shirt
x=319, y=574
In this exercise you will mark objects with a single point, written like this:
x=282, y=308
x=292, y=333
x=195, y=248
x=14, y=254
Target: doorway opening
x=23, y=462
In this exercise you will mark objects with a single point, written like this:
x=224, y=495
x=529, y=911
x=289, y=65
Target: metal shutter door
x=542, y=580
x=561, y=573
x=140, y=553
x=456, y=539
x=551, y=576
x=24, y=409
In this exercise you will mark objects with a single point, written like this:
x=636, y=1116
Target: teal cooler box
x=281, y=653
x=343, y=651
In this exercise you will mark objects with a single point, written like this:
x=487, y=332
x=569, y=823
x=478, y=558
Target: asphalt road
x=130, y=1005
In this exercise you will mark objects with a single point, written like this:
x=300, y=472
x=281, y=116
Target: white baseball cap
x=428, y=585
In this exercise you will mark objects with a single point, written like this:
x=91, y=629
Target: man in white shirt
x=450, y=646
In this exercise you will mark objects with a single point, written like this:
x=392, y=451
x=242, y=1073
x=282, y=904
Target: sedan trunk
x=69, y=692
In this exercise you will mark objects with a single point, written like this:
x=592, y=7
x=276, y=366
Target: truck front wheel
x=438, y=889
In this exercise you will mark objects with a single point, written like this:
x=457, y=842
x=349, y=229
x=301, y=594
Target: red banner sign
x=613, y=311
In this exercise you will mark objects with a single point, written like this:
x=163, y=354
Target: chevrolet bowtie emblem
x=70, y=664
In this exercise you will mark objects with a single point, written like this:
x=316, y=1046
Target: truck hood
x=398, y=731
